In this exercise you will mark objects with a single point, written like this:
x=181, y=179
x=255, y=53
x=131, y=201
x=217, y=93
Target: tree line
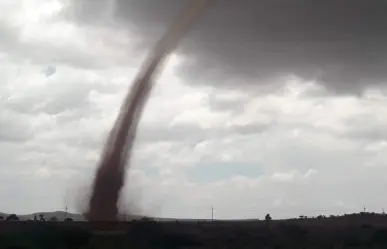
x=40, y=217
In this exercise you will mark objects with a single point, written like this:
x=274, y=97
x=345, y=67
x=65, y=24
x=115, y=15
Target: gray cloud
x=194, y=134
x=288, y=150
x=74, y=54
x=341, y=43
x=13, y=127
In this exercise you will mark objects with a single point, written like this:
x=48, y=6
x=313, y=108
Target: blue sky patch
x=212, y=172
x=50, y=70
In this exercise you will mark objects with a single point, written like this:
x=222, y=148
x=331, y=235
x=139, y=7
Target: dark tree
x=42, y=217
x=53, y=218
x=267, y=219
x=12, y=217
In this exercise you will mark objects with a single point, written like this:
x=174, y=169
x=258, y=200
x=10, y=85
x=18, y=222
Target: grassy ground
x=342, y=232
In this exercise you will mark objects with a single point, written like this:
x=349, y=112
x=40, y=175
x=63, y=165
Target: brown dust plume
x=110, y=174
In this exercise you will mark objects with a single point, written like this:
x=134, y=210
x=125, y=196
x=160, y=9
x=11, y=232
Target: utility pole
x=66, y=213
x=212, y=213
x=383, y=211
x=364, y=209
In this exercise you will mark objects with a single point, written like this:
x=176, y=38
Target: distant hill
x=60, y=215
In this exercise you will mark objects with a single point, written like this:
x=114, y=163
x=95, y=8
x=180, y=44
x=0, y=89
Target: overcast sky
x=273, y=106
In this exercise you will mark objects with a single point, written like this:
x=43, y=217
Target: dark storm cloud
x=340, y=42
